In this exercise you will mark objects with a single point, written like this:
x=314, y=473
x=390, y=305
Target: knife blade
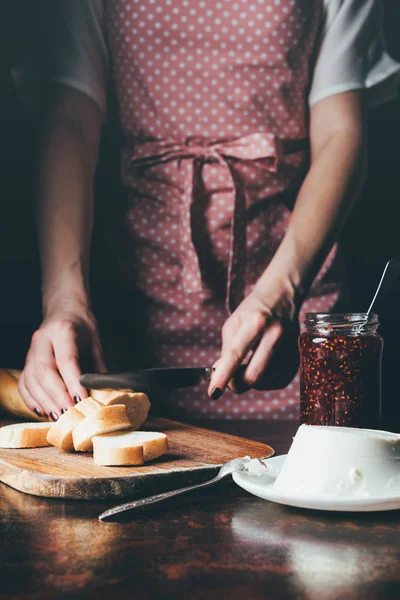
x=147, y=379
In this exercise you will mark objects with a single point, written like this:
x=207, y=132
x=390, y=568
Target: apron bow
x=256, y=146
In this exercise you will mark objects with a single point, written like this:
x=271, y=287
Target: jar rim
x=350, y=317
x=355, y=322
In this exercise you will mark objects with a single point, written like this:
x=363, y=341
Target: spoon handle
x=389, y=276
x=153, y=499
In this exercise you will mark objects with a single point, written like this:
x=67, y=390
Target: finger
x=30, y=386
x=28, y=399
x=54, y=386
x=229, y=330
x=66, y=355
x=232, y=356
x=276, y=377
x=35, y=389
x=237, y=384
x=262, y=355
x=227, y=336
x=47, y=376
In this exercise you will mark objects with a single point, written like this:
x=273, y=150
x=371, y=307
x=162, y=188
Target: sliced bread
x=88, y=407
x=24, y=435
x=60, y=434
x=128, y=448
x=106, y=419
x=137, y=404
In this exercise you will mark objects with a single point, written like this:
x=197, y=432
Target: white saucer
x=262, y=486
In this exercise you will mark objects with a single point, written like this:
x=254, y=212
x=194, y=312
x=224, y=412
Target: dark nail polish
x=77, y=399
x=53, y=416
x=64, y=410
x=38, y=412
x=217, y=393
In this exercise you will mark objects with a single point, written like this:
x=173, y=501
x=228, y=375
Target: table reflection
x=326, y=553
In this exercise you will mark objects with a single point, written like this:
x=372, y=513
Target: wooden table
x=220, y=544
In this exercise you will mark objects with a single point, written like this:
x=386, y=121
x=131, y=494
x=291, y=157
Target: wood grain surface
x=217, y=544
x=195, y=454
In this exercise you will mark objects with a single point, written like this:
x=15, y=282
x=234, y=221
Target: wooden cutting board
x=195, y=455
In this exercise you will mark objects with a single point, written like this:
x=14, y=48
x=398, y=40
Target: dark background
x=369, y=239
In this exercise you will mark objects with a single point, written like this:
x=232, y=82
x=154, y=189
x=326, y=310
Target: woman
x=243, y=150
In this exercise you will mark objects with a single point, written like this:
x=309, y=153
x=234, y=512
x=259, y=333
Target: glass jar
x=340, y=370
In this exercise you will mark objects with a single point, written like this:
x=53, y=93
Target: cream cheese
x=341, y=461
x=256, y=467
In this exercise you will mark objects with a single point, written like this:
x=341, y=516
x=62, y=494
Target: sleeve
x=352, y=54
x=69, y=48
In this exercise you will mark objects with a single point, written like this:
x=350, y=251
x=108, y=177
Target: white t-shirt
x=352, y=56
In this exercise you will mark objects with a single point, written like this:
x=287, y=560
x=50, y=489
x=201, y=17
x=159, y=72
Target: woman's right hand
x=49, y=383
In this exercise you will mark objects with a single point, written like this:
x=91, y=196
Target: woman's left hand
x=255, y=331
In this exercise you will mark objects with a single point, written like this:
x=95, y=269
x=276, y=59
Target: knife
x=147, y=379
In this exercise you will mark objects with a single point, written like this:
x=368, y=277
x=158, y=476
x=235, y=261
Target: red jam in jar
x=340, y=370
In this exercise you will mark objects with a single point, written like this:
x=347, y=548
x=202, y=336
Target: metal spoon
x=389, y=276
x=233, y=466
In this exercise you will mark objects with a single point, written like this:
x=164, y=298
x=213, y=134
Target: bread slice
x=88, y=407
x=105, y=420
x=24, y=435
x=137, y=404
x=60, y=434
x=126, y=448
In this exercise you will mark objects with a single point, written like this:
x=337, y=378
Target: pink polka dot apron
x=213, y=108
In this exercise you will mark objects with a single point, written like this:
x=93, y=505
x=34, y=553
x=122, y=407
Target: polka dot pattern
x=250, y=148
x=212, y=97
x=216, y=69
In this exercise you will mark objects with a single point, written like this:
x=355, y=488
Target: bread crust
x=137, y=404
x=122, y=457
x=60, y=434
x=26, y=435
x=154, y=449
x=88, y=407
x=10, y=398
x=133, y=454
x=106, y=420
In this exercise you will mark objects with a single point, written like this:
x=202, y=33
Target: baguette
x=128, y=448
x=105, y=420
x=137, y=404
x=24, y=435
x=10, y=398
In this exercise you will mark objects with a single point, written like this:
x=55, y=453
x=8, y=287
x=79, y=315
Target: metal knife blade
x=147, y=379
